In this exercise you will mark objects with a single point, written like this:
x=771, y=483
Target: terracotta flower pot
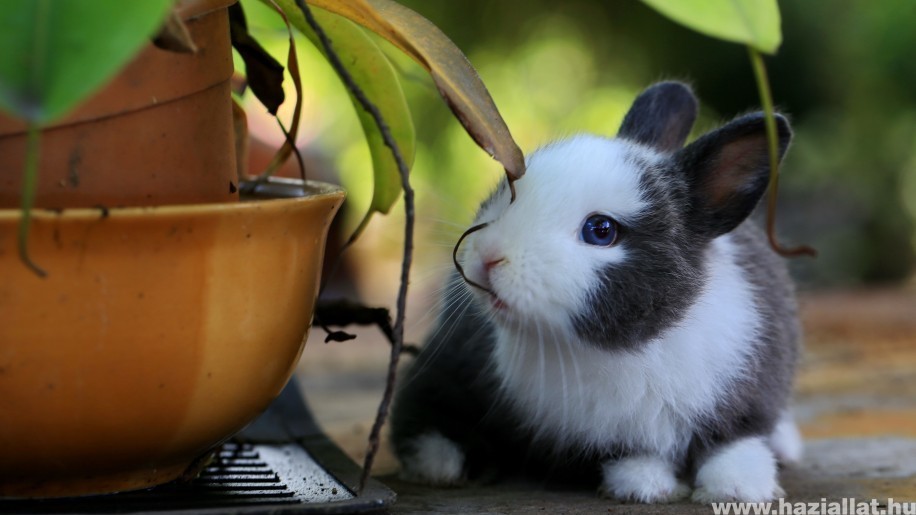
x=158, y=333
x=160, y=133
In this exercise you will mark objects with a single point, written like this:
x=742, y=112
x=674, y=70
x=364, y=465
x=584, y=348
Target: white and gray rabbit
x=631, y=324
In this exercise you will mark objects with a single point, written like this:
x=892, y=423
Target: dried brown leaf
x=457, y=81
x=289, y=145
x=264, y=73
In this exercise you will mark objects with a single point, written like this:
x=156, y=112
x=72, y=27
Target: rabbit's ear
x=727, y=171
x=661, y=117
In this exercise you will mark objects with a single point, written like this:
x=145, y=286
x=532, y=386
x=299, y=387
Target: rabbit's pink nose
x=490, y=264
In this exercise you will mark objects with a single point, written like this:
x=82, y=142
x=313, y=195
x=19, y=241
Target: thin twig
x=29, y=191
x=295, y=147
x=458, y=264
x=404, y=171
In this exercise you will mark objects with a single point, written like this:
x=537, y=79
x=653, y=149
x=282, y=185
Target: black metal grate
x=238, y=475
x=239, y=471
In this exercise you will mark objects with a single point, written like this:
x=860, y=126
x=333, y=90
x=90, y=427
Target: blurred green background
x=845, y=75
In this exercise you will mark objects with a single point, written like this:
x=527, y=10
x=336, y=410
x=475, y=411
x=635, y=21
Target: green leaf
x=374, y=74
x=752, y=22
x=58, y=52
x=456, y=79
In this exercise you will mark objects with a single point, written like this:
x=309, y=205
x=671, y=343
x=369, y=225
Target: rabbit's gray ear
x=727, y=172
x=661, y=117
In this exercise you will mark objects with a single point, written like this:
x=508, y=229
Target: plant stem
x=766, y=99
x=29, y=188
x=404, y=170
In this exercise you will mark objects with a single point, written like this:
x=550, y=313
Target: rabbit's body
x=633, y=325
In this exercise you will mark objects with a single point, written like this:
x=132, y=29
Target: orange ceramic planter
x=158, y=333
x=160, y=132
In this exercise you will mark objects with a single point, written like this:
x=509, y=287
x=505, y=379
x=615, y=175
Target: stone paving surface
x=855, y=403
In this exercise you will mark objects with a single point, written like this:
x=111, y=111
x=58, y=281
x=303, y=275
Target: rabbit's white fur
x=786, y=441
x=435, y=460
x=648, y=479
x=540, y=234
x=573, y=393
x=666, y=359
x=744, y=470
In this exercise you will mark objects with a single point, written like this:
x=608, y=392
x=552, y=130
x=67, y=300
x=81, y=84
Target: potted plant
x=159, y=132
x=140, y=327
x=146, y=330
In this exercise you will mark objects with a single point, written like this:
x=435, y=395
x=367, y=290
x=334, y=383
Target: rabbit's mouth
x=497, y=304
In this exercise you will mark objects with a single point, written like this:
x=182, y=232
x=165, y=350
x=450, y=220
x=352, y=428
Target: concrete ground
x=855, y=402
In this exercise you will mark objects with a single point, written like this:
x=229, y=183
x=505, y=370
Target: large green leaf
x=374, y=74
x=55, y=53
x=456, y=79
x=752, y=22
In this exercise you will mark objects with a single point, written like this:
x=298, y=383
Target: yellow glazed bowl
x=157, y=334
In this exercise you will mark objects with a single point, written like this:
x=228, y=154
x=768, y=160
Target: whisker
x=542, y=372
x=437, y=340
x=577, y=373
x=565, y=388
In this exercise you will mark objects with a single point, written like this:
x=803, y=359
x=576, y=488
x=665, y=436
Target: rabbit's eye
x=600, y=230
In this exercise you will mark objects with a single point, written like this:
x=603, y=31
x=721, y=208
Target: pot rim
x=315, y=191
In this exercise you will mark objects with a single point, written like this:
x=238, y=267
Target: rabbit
x=626, y=322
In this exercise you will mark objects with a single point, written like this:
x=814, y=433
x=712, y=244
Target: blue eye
x=600, y=230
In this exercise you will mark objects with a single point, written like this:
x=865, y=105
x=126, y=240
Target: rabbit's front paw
x=786, y=441
x=433, y=460
x=647, y=479
x=744, y=471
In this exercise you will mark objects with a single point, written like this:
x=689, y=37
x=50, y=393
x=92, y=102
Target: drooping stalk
x=404, y=170
x=766, y=99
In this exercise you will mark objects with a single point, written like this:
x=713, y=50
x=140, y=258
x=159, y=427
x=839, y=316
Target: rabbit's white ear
x=661, y=117
x=727, y=172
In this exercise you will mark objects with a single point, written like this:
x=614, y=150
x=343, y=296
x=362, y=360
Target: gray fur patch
x=635, y=301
